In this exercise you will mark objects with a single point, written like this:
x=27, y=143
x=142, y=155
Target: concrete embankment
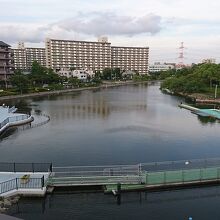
x=57, y=92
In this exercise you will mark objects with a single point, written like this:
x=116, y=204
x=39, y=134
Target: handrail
x=25, y=167
x=18, y=183
x=10, y=119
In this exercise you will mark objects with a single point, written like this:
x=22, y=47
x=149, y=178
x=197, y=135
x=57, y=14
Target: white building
x=159, y=67
x=80, y=74
x=209, y=60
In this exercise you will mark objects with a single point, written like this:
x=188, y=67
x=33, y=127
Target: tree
x=117, y=73
x=21, y=81
x=107, y=73
x=74, y=81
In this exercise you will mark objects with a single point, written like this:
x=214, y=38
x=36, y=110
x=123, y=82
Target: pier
x=213, y=113
x=44, y=178
x=143, y=176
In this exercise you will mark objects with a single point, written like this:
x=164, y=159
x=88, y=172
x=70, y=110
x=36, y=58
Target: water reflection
x=158, y=205
x=140, y=123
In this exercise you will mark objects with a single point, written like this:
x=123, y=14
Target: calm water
x=124, y=125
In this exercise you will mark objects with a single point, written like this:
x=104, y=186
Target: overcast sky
x=159, y=24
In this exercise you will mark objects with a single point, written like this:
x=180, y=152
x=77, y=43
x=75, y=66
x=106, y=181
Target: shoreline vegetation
x=57, y=92
x=199, y=83
x=41, y=81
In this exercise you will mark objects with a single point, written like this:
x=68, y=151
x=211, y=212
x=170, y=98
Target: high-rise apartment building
x=67, y=54
x=78, y=54
x=24, y=57
x=95, y=55
x=130, y=58
x=6, y=61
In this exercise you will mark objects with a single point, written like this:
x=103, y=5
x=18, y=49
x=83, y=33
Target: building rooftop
x=4, y=44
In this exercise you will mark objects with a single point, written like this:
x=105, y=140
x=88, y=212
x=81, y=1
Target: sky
x=159, y=24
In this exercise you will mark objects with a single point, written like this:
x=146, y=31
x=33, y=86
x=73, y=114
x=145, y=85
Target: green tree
x=21, y=81
x=107, y=74
x=74, y=81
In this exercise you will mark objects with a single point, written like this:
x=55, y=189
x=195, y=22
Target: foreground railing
x=89, y=171
x=182, y=176
x=19, y=183
x=181, y=165
x=25, y=167
x=95, y=180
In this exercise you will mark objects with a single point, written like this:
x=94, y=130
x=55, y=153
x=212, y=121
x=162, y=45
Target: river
x=122, y=125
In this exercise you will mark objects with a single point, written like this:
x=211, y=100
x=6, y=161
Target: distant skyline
x=159, y=24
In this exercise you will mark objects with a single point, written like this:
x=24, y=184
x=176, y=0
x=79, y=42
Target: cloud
x=112, y=24
x=21, y=32
x=92, y=24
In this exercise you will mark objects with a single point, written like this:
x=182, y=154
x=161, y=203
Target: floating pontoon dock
x=144, y=176
x=214, y=113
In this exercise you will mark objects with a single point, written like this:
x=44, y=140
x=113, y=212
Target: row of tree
x=198, y=78
x=38, y=77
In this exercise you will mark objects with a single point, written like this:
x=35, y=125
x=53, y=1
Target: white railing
x=13, y=119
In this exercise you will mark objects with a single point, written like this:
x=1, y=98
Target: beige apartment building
x=130, y=58
x=24, y=57
x=95, y=55
x=67, y=54
x=78, y=54
x=6, y=61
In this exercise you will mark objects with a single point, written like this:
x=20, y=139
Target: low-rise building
x=83, y=75
x=209, y=60
x=160, y=67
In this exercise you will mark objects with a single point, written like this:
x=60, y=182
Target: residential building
x=24, y=57
x=130, y=58
x=6, y=61
x=79, y=74
x=95, y=55
x=159, y=67
x=78, y=54
x=209, y=60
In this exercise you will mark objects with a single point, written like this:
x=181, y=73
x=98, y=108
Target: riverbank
x=203, y=98
x=57, y=92
x=196, y=97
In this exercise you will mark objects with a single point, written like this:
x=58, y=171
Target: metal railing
x=13, y=119
x=25, y=167
x=181, y=164
x=96, y=180
x=19, y=183
x=182, y=176
x=88, y=171
x=96, y=175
